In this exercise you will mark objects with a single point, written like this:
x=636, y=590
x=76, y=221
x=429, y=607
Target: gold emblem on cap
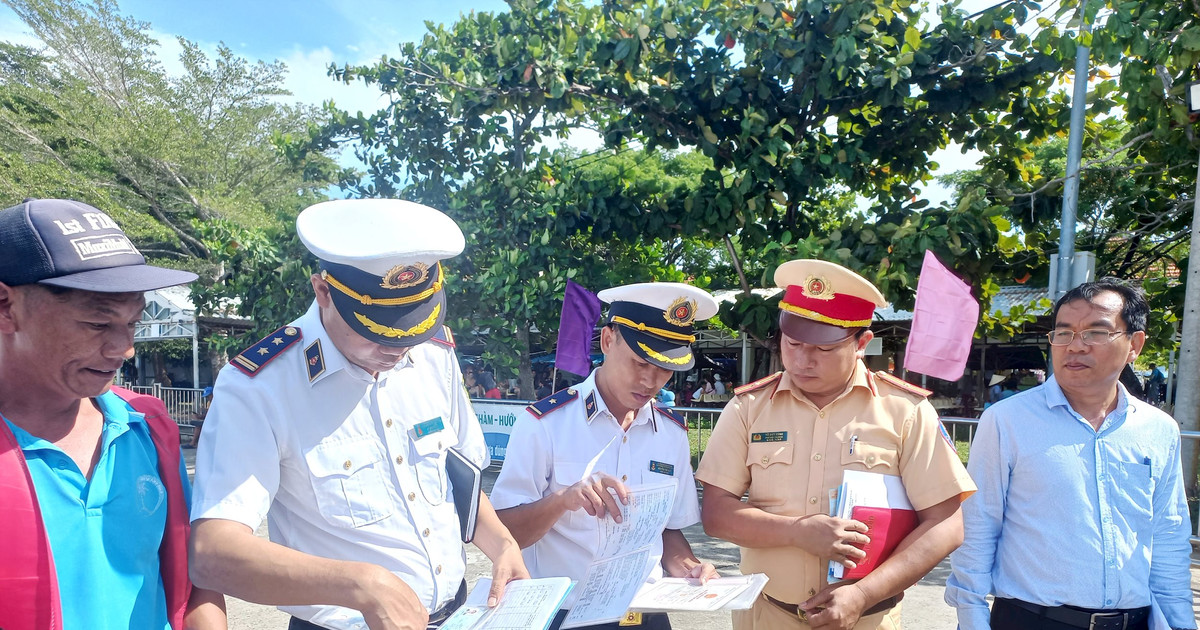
x=818, y=288
x=405, y=276
x=682, y=312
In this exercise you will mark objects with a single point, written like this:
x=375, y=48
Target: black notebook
x=465, y=478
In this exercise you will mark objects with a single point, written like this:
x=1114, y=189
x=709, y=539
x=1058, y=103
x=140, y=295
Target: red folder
x=886, y=527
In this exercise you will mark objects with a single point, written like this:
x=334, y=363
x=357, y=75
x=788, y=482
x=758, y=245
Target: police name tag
x=427, y=427
x=661, y=468
x=770, y=436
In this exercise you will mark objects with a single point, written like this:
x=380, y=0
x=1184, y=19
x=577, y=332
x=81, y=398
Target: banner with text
x=496, y=418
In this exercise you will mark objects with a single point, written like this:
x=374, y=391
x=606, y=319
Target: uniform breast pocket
x=348, y=481
x=565, y=475
x=770, y=467
x=1131, y=489
x=430, y=463
x=859, y=455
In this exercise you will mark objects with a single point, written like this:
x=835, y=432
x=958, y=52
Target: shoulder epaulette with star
x=900, y=383
x=756, y=385
x=252, y=359
x=673, y=416
x=444, y=337
x=554, y=401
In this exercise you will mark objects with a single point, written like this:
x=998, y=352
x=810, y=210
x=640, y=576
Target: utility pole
x=1066, y=237
x=1187, y=383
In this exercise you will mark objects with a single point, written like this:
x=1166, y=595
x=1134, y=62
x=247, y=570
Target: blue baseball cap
x=70, y=244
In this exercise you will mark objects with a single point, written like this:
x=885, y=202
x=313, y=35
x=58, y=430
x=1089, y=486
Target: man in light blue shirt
x=1080, y=520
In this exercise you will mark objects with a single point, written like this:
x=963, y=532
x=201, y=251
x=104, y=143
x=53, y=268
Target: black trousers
x=1009, y=616
x=650, y=621
x=435, y=619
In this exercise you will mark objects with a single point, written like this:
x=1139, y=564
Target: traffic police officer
x=545, y=494
x=336, y=428
x=787, y=439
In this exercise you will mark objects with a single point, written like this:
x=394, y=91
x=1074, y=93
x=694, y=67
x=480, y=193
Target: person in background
x=93, y=487
x=666, y=397
x=337, y=428
x=995, y=388
x=487, y=383
x=200, y=413
x=545, y=495
x=788, y=438
x=1081, y=519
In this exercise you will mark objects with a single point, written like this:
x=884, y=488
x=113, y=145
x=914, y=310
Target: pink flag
x=944, y=321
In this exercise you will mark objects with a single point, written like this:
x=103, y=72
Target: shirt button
x=765, y=459
x=820, y=414
x=812, y=500
x=438, y=570
x=388, y=423
x=439, y=446
x=425, y=533
x=870, y=459
x=399, y=459
x=812, y=591
x=624, y=477
x=412, y=496
x=346, y=465
x=624, y=439
x=817, y=457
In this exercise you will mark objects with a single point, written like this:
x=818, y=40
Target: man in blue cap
x=337, y=427
x=92, y=488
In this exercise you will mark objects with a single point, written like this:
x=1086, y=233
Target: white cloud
x=308, y=82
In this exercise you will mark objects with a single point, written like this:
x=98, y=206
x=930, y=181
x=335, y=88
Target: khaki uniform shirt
x=774, y=442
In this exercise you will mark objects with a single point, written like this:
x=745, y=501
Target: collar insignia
x=314, y=360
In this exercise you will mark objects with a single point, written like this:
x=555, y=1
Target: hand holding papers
x=624, y=559
x=881, y=502
x=526, y=605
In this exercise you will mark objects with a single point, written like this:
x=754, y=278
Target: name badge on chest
x=769, y=436
x=427, y=427
x=661, y=468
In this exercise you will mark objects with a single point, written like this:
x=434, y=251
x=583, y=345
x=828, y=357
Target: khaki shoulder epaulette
x=761, y=383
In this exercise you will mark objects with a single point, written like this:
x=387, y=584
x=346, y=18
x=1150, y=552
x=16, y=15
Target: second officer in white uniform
x=543, y=493
x=336, y=429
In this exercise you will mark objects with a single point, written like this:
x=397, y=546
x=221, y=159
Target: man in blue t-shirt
x=71, y=292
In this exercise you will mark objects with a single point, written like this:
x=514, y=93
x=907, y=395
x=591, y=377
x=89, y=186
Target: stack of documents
x=879, y=501
x=525, y=605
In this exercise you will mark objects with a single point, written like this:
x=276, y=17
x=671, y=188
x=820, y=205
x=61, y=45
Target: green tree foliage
x=1139, y=154
x=795, y=104
x=187, y=164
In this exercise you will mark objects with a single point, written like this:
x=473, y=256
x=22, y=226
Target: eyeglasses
x=1093, y=337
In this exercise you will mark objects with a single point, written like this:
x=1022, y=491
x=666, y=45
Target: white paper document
x=642, y=521
x=525, y=605
x=866, y=489
x=608, y=587
x=736, y=592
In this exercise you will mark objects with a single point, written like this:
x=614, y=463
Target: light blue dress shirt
x=105, y=531
x=1066, y=514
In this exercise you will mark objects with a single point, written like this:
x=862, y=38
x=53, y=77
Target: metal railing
x=181, y=403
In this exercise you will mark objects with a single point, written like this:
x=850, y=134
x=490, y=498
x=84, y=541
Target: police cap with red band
x=823, y=302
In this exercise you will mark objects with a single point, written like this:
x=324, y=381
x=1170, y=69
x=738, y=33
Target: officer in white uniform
x=336, y=428
x=545, y=494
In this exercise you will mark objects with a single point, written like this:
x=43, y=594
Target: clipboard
x=465, y=479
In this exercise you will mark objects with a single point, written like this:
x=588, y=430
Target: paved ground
x=923, y=609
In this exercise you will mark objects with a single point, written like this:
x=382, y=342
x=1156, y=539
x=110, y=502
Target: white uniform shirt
x=548, y=454
x=339, y=465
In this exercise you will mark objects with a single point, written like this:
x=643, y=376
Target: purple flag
x=580, y=312
x=944, y=321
